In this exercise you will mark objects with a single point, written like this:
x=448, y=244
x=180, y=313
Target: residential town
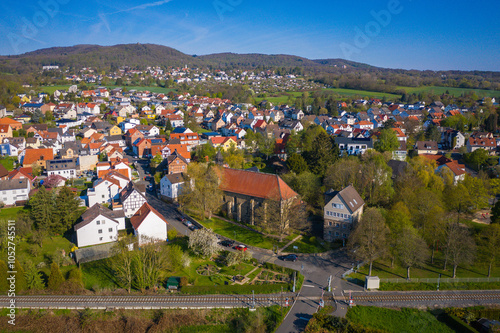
x=133, y=170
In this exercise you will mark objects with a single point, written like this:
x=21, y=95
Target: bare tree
x=279, y=216
x=121, y=263
x=460, y=246
x=204, y=242
x=411, y=249
x=368, y=240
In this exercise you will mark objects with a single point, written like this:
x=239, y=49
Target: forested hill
x=333, y=72
x=101, y=57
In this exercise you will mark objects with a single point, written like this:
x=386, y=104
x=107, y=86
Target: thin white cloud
x=143, y=6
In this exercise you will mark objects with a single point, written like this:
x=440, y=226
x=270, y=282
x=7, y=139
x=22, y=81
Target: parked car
x=181, y=218
x=241, y=247
x=187, y=223
x=227, y=243
x=193, y=227
x=290, y=257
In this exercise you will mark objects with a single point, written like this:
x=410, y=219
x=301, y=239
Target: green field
x=283, y=98
x=453, y=91
x=362, y=93
x=394, y=321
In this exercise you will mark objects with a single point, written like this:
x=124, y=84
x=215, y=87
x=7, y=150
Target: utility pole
x=330, y=284
x=253, y=299
x=294, y=273
x=439, y=278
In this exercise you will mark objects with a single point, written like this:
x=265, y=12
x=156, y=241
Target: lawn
x=306, y=245
x=11, y=213
x=396, y=321
x=240, y=234
x=8, y=162
x=383, y=269
x=362, y=93
x=453, y=91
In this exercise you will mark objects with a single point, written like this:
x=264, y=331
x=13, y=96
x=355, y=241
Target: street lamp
x=234, y=234
x=439, y=278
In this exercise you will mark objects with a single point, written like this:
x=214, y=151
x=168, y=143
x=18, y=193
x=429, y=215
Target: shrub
x=312, y=239
x=183, y=281
x=171, y=234
x=236, y=289
x=56, y=278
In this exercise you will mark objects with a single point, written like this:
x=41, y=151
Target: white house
x=14, y=190
x=64, y=167
x=149, y=225
x=171, y=186
x=99, y=225
x=132, y=198
x=106, y=189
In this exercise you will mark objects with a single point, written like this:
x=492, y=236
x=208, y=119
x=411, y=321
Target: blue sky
x=410, y=34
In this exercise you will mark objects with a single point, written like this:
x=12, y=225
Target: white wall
x=89, y=234
x=152, y=227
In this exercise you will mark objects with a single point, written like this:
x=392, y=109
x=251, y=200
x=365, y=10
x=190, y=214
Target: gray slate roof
x=349, y=195
x=93, y=212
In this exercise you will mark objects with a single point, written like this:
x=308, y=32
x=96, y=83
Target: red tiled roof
x=483, y=142
x=33, y=155
x=457, y=169
x=255, y=184
x=142, y=213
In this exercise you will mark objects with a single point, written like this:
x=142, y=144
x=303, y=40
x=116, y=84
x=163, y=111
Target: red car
x=241, y=247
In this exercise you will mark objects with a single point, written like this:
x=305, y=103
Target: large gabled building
x=342, y=211
x=244, y=191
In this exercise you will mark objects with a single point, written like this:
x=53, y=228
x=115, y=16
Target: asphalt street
x=316, y=269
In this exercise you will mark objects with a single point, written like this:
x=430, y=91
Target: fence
x=441, y=280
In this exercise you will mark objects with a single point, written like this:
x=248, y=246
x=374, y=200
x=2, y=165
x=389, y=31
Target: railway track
x=423, y=297
x=143, y=301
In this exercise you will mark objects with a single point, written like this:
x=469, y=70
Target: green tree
x=324, y=153
x=20, y=278
x=477, y=158
x=4, y=285
x=33, y=277
x=459, y=246
x=432, y=133
x=368, y=240
x=66, y=209
x=495, y=213
x=266, y=145
x=387, y=141
x=411, y=249
x=168, y=126
x=56, y=278
x=296, y=163
x=42, y=208
x=75, y=276
x=489, y=245
x=204, y=191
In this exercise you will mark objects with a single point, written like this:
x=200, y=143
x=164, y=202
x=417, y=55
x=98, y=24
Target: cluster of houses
x=97, y=135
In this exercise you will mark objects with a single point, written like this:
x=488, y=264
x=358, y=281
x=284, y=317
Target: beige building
x=341, y=212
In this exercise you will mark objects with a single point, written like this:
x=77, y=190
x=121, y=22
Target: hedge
x=457, y=324
x=236, y=289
